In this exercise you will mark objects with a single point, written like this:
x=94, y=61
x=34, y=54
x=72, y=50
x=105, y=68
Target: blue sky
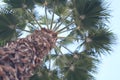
x=109, y=69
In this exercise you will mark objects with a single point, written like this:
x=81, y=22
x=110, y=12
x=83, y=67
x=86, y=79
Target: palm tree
x=64, y=23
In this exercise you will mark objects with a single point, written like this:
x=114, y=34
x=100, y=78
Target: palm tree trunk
x=18, y=59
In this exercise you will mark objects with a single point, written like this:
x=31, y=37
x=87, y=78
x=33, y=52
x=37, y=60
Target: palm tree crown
x=81, y=23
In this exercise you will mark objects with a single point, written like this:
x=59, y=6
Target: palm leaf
x=89, y=13
x=99, y=40
x=45, y=74
x=2, y=42
x=40, y=1
x=20, y=3
x=77, y=66
x=8, y=23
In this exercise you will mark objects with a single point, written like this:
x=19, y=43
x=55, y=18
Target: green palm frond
x=61, y=61
x=2, y=42
x=45, y=74
x=6, y=33
x=59, y=6
x=99, y=41
x=56, y=2
x=89, y=13
x=75, y=35
x=43, y=20
x=61, y=10
x=68, y=40
x=77, y=66
x=40, y=1
x=20, y=3
x=23, y=17
x=8, y=24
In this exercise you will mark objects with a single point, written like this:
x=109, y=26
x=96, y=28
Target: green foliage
x=76, y=66
x=7, y=25
x=45, y=74
x=85, y=22
x=99, y=40
x=10, y=21
x=40, y=1
x=90, y=13
x=20, y=3
x=2, y=43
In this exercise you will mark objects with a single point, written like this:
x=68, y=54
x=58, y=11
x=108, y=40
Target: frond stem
x=46, y=17
x=34, y=18
x=49, y=56
x=66, y=30
x=65, y=27
x=52, y=17
x=61, y=22
x=65, y=47
x=24, y=30
x=59, y=50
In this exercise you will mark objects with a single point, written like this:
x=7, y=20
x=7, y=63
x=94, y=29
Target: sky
x=109, y=68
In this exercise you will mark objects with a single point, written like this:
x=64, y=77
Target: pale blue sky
x=109, y=69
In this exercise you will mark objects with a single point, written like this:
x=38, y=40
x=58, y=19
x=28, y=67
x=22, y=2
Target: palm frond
x=89, y=13
x=40, y=1
x=2, y=43
x=8, y=24
x=45, y=74
x=20, y=3
x=77, y=66
x=99, y=41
